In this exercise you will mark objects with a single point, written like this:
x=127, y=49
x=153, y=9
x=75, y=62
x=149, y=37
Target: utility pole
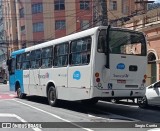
x=104, y=12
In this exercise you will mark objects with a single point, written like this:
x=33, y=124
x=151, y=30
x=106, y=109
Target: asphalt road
x=35, y=112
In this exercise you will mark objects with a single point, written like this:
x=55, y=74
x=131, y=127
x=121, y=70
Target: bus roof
x=64, y=39
x=59, y=40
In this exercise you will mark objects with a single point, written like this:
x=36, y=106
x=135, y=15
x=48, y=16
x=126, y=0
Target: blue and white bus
x=98, y=63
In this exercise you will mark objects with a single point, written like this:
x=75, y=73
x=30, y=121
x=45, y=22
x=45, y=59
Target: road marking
x=154, y=129
x=5, y=100
x=7, y=96
x=56, y=116
x=12, y=95
x=18, y=117
x=97, y=117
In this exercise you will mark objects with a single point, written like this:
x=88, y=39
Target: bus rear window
x=127, y=42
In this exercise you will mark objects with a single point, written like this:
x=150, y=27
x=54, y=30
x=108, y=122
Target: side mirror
x=7, y=62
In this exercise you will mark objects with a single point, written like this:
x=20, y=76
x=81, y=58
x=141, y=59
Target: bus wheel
x=142, y=102
x=52, y=97
x=20, y=94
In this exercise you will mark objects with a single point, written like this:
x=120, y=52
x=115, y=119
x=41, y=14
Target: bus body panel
x=79, y=78
x=12, y=82
x=127, y=72
x=59, y=76
x=45, y=76
x=120, y=78
x=33, y=81
x=79, y=82
x=26, y=79
x=17, y=76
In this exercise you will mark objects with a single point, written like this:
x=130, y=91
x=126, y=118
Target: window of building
x=47, y=57
x=38, y=27
x=61, y=55
x=21, y=12
x=84, y=5
x=113, y=5
x=80, y=51
x=37, y=8
x=59, y=5
x=35, y=59
x=125, y=8
x=84, y=24
x=23, y=29
x=60, y=24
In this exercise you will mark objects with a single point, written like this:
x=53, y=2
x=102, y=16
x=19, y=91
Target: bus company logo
x=121, y=76
x=26, y=76
x=121, y=66
x=43, y=76
x=77, y=75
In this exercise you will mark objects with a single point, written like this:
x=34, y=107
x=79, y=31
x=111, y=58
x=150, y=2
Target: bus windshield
x=122, y=42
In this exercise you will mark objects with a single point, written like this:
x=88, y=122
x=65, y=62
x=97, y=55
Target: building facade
x=149, y=23
x=10, y=25
x=42, y=20
x=3, y=48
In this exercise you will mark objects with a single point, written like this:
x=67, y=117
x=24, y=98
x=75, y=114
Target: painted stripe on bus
x=18, y=52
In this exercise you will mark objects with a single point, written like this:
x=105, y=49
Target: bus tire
x=142, y=102
x=20, y=94
x=52, y=96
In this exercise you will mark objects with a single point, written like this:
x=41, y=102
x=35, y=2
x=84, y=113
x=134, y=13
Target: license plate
x=121, y=81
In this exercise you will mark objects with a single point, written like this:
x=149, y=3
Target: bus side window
x=33, y=64
x=101, y=44
x=47, y=57
x=35, y=59
x=80, y=56
x=101, y=41
x=19, y=61
x=61, y=54
x=32, y=60
x=25, y=61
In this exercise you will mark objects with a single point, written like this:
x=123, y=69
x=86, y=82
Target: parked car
x=2, y=80
x=152, y=96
